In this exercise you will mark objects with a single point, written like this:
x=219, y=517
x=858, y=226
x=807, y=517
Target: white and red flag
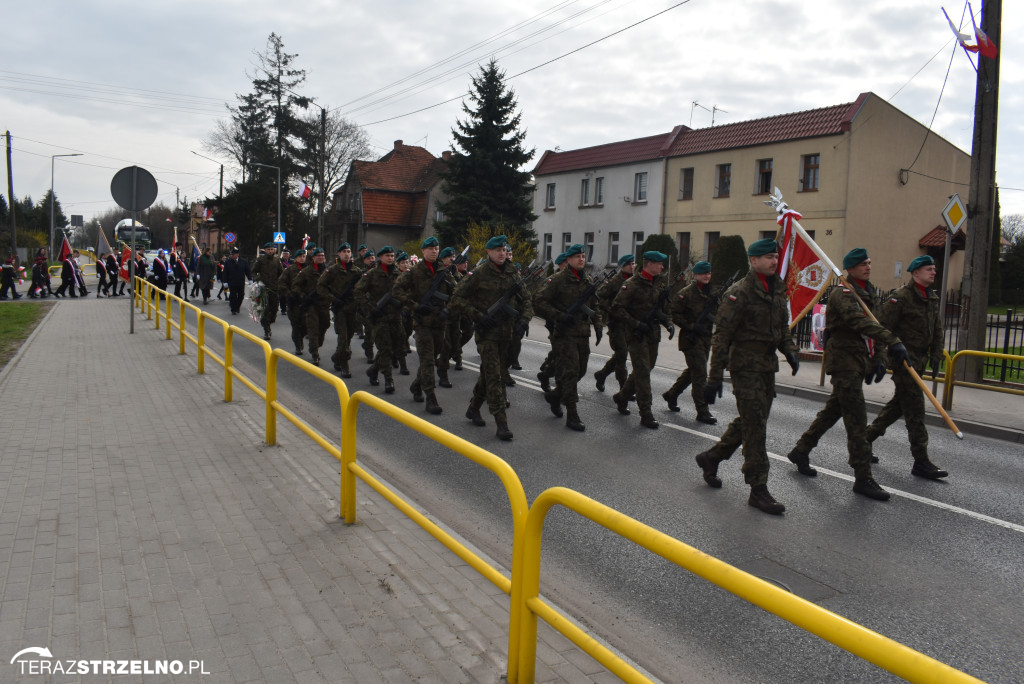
x=65, y=250
x=305, y=190
x=982, y=44
x=305, y=241
x=123, y=271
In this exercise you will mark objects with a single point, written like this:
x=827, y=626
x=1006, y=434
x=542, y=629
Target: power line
x=37, y=79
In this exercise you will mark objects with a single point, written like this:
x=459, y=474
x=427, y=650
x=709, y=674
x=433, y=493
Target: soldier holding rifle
x=616, y=334
x=383, y=312
x=338, y=286
x=295, y=313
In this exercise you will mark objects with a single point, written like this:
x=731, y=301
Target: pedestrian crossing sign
x=954, y=214
x=279, y=238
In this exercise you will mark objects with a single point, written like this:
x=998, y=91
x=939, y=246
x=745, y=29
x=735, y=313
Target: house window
x=686, y=184
x=547, y=247
x=640, y=187
x=767, y=234
x=588, y=246
x=809, y=180
x=710, y=244
x=599, y=191
x=613, y=248
x=566, y=241
x=724, y=173
x=549, y=200
x=764, y=177
x=638, y=241
x=438, y=214
x=585, y=192
x=683, y=247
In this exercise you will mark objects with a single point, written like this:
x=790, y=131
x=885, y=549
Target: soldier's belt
x=756, y=347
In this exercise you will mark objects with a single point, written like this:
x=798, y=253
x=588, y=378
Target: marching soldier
x=474, y=296
x=337, y=286
x=268, y=270
x=854, y=354
x=367, y=260
x=295, y=313
x=314, y=308
x=913, y=313
x=636, y=299
x=753, y=322
x=547, y=370
x=694, y=340
x=383, y=311
x=425, y=291
x=459, y=328
x=570, y=332
x=616, y=334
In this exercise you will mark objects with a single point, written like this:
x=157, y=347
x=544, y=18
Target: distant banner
x=124, y=273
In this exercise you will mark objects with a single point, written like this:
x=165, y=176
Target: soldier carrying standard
x=268, y=270
x=693, y=311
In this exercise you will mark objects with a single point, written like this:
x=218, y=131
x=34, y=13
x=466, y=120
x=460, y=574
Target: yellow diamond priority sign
x=955, y=213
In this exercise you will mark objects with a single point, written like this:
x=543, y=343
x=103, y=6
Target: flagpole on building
x=789, y=217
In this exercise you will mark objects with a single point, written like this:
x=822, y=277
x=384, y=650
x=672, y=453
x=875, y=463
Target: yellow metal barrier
x=860, y=641
x=947, y=399
x=274, y=406
x=229, y=358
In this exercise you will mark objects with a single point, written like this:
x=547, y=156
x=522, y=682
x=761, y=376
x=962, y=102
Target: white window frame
x=638, y=241
x=640, y=187
x=588, y=246
x=549, y=197
x=566, y=241
x=585, y=192
x=613, y=248
x=599, y=191
x=547, y=246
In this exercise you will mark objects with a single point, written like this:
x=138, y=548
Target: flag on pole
x=983, y=45
x=102, y=246
x=305, y=241
x=805, y=274
x=174, y=245
x=123, y=271
x=208, y=215
x=305, y=190
x=65, y=250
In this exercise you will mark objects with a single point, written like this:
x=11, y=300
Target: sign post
x=955, y=215
x=134, y=189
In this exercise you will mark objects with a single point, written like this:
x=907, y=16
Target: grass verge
x=17, y=321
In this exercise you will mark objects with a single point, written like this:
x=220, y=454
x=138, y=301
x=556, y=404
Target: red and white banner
x=123, y=272
x=65, y=250
x=305, y=190
x=806, y=275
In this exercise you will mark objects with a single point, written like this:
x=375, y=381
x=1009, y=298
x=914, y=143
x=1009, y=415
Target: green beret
x=574, y=250
x=363, y=246
x=317, y=251
x=401, y=256
x=626, y=259
x=655, y=256
x=386, y=249
x=368, y=254
x=560, y=259
x=496, y=242
x=310, y=246
x=344, y=246
x=430, y=242
x=855, y=256
x=762, y=247
x=299, y=252
x=918, y=262
x=269, y=245
x=446, y=252
x=701, y=267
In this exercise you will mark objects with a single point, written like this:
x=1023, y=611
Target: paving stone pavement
x=142, y=518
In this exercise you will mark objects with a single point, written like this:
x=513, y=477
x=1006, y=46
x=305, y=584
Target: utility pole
x=10, y=197
x=323, y=173
x=981, y=207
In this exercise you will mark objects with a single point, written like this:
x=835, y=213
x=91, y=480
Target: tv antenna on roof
x=714, y=109
x=694, y=105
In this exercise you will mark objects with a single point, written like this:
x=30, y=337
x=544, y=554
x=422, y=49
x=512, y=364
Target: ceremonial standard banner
x=126, y=254
x=805, y=274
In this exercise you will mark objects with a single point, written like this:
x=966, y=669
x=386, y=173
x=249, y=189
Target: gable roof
x=402, y=169
x=811, y=123
x=386, y=208
x=610, y=154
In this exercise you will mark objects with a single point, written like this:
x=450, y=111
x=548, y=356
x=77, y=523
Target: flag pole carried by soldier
x=268, y=271
x=314, y=308
x=384, y=313
x=337, y=286
x=616, y=332
x=285, y=285
x=753, y=323
x=854, y=355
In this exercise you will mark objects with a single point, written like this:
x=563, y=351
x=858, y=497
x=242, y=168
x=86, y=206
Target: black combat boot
x=458, y=364
x=374, y=375
x=389, y=385
x=443, y=381
x=600, y=376
x=266, y=332
x=923, y=467
x=709, y=465
x=417, y=393
x=572, y=419
x=621, y=403
x=545, y=386
x=432, y=406
x=802, y=461
x=314, y=358
x=670, y=397
x=402, y=368
x=704, y=416
x=344, y=371
x=647, y=420
x=760, y=498
x=473, y=413
x=502, y=433
x=369, y=356
x=555, y=403
x=866, y=486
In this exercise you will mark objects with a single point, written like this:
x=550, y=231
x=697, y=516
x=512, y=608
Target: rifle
x=580, y=305
x=380, y=306
x=346, y=294
x=712, y=305
x=426, y=305
x=656, y=316
x=501, y=307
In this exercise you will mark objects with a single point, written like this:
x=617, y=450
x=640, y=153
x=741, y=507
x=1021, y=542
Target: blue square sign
x=279, y=238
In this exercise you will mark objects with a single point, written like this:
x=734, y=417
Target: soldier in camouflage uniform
x=337, y=286
x=295, y=314
x=854, y=354
x=570, y=332
x=428, y=319
x=458, y=329
x=473, y=297
x=913, y=313
x=315, y=308
x=637, y=297
x=385, y=319
x=753, y=322
x=367, y=260
x=268, y=270
x=616, y=334
x=694, y=340
x=547, y=366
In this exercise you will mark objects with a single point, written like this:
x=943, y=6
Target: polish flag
x=305, y=190
x=123, y=272
x=65, y=251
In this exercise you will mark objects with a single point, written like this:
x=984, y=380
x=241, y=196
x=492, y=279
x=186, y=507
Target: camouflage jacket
x=287, y=279
x=915, y=319
x=338, y=280
x=268, y=270
x=413, y=285
x=635, y=299
x=374, y=284
x=304, y=286
x=559, y=293
x=855, y=342
x=752, y=324
x=606, y=295
x=482, y=287
x=686, y=308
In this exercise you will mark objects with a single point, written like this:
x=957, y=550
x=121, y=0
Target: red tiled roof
x=936, y=237
x=400, y=169
x=394, y=208
x=799, y=125
x=611, y=154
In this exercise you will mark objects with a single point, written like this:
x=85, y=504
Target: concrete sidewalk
x=142, y=518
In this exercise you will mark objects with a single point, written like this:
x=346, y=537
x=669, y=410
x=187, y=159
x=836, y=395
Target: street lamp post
x=268, y=166
x=53, y=158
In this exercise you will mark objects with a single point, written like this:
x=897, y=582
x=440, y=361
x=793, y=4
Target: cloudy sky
x=143, y=83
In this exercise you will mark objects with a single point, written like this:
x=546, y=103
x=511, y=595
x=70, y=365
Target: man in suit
x=236, y=271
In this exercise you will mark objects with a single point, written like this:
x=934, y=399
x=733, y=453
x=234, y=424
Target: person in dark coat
x=8, y=279
x=207, y=269
x=67, y=279
x=236, y=271
x=112, y=265
x=160, y=271
x=180, y=272
x=101, y=273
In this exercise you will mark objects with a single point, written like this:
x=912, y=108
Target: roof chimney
x=398, y=143
x=446, y=155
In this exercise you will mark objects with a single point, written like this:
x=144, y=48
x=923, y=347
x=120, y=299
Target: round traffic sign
x=229, y=237
x=133, y=188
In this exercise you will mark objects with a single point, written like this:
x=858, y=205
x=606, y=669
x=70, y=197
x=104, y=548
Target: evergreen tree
x=730, y=256
x=275, y=89
x=483, y=180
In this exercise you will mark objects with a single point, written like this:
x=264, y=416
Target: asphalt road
x=937, y=568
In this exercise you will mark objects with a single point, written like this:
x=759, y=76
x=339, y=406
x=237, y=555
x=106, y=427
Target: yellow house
x=862, y=174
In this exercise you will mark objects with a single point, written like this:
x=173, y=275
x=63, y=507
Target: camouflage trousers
x=643, y=354
x=318, y=320
x=620, y=352
x=490, y=386
x=270, y=312
x=909, y=403
x=390, y=338
x=297, y=317
x=345, y=327
x=431, y=344
x=571, y=355
x=458, y=331
x=846, y=402
x=695, y=376
x=755, y=393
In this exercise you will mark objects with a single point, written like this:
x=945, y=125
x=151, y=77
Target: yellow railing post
x=347, y=493
x=201, y=342
x=229, y=357
x=181, y=326
x=167, y=319
x=271, y=398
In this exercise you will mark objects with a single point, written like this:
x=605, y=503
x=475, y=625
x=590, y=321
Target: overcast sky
x=143, y=83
